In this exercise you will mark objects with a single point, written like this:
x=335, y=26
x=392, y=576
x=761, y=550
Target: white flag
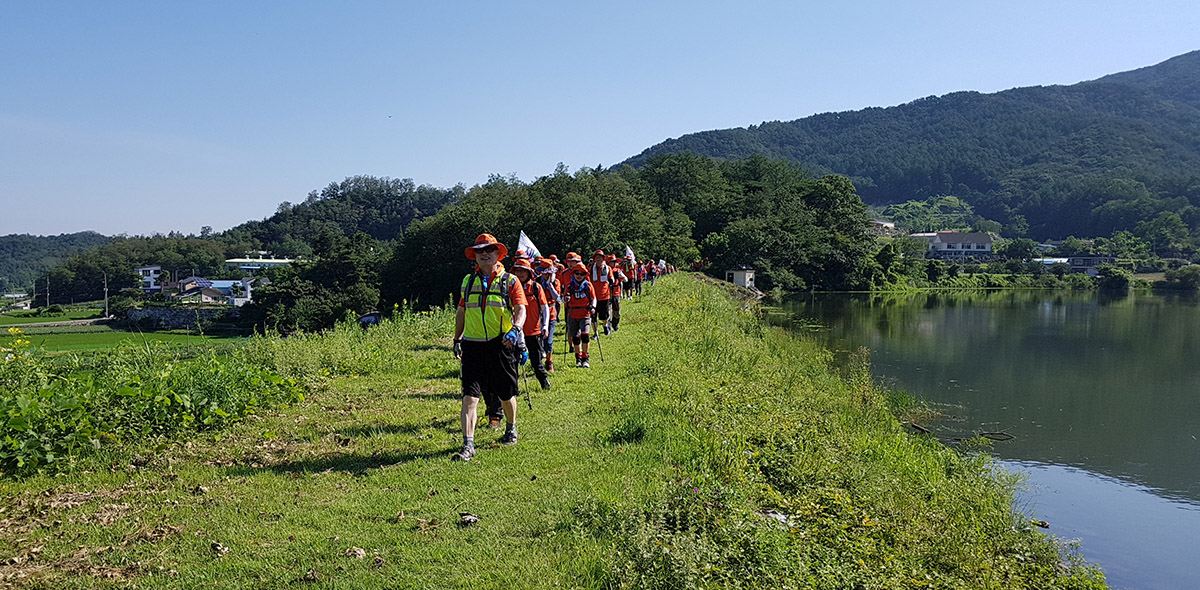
x=629, y=253
x=526, y=245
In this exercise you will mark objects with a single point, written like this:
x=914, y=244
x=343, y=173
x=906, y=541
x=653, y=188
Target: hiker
x=601, y=277
x=537, y=318
x=581, y=305
x=618, y=279
x=564, y=278
x=488, y=339
x=629, y=267
x=548, y=279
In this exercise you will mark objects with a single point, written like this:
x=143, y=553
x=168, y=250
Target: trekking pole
x=528, y=394
x=599, y=348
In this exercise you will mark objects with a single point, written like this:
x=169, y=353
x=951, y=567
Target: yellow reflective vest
x=488, y=312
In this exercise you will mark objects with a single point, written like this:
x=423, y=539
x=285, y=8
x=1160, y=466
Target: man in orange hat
x=487, y=337
x=601, y=277
x=617, y=280
x=564, y=279
x=537, y=318
x=581, y=304
x=548, y=279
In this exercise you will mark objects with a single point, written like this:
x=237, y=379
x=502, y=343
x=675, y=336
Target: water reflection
x=1102, y=394
x=1156, y=548
x=1112, y=385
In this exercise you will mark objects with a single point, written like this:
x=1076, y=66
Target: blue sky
x=142, y=117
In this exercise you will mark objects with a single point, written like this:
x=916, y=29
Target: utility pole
x=47, y=289
x=105, y=295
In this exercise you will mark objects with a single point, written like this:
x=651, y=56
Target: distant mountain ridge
x=1031, y=151
x=24, y=257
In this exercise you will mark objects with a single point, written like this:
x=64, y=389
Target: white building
x=953, y=244
x=149, y=276
x=743, y=277
x=253, y=264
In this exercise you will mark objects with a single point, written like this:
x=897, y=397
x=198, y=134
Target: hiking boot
x=549, y=365
x=578, y=362
x=493, y=422
x=545, y=381
x=607, y=331
x=466, y=454
x=509, y=438
x=585, y=364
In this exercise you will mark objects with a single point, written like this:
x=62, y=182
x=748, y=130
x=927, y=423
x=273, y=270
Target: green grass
x=24, y=317
x=652, y=469
x=109, y=338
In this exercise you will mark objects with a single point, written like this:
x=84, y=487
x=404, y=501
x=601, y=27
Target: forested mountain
x=379, y=207
x=1086, y=159
x=24, y=257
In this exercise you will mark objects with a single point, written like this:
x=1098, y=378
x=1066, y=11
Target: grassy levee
x=705, y=450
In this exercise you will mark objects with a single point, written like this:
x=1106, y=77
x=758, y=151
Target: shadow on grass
x=370, y=430
x=454, y=395
x=429, y=347
x=451, y=373
x=351, y=463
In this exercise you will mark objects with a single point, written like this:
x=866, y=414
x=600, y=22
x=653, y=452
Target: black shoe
x=509, y=438
x=493, y=423
x=466, y=454
x=585, y=364
x=545, y=381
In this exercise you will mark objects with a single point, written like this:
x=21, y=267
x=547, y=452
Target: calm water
x=1101, y=393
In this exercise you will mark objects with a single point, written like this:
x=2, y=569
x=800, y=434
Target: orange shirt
x=535, y=298
x=618, y=277
x=599, y=275
x=553, y=282
x=579, y=299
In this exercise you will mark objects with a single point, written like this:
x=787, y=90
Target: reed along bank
x=706, y=450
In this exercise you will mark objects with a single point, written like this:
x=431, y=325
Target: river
x=1102, y=395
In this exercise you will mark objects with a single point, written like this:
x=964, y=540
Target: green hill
x=1084, y=159
x=24, y=257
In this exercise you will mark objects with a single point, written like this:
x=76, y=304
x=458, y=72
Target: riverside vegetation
x=707, y=450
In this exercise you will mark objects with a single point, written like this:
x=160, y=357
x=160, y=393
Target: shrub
x=51, y=414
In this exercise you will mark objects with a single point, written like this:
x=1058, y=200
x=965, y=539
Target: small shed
x=742, y=277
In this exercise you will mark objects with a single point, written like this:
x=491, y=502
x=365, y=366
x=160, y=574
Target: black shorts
x=602, y=310
x=489, y=366
x=578, y=327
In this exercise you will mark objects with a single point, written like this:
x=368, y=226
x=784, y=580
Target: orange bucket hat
x=522, y=263
x=483, y=241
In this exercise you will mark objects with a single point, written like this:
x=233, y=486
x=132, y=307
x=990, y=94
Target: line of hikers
x=507, y=318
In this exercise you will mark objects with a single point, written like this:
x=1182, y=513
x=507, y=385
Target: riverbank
x=706, y=449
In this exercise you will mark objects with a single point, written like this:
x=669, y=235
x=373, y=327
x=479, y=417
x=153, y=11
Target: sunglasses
x=581, y=274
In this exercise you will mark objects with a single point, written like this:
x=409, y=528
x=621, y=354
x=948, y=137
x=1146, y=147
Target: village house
x=953, y=244
x=233, y=292
x=880, y=227
x=1089, y=264
x=149, y=277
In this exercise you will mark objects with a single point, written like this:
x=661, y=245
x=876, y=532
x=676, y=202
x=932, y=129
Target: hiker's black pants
x=489, y=370
x=536, y=359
